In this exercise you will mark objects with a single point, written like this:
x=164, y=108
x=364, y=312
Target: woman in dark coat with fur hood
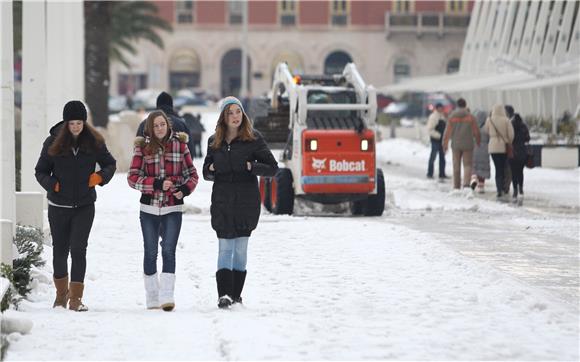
x=66, y=170
x=236, y=154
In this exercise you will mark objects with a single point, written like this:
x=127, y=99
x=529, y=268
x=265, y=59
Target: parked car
x=117, y=104
x=443, y=98
x=384, y=100
x=419, y=105
x=146, y=99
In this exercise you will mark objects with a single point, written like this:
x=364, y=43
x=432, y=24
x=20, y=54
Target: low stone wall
x=120, y=137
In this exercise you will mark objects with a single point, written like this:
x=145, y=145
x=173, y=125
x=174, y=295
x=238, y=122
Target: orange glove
x=95, y=179
x=57, y=187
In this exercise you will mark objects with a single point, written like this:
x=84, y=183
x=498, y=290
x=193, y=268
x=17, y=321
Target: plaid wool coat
x=148, y=171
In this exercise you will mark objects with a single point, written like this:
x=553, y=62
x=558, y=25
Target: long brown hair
x=89, y=140
x=155, y=144
x=245, y=131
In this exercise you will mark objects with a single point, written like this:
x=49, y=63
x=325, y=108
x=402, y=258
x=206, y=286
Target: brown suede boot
x=61, y=292
x=75, y=297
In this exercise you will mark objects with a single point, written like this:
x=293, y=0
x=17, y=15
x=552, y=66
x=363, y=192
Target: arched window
x=335, y=62
x=401, y=69
x=231, y=73
x=453, y=66
x=184, y=70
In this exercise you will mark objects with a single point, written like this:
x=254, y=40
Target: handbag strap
x=498, y=132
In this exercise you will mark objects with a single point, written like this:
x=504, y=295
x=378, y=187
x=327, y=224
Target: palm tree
x=111, y=29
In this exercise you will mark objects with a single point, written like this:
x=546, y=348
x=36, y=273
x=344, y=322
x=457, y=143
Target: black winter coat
x=177, y=125
x=521, y=137
x=72, y=173
x=235, y=198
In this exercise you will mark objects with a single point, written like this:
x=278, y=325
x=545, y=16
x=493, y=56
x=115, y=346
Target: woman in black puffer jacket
x=517, y=163
x=66, y=170
x=236, y=154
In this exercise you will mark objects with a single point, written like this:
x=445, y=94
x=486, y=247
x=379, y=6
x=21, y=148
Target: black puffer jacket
x=72, y=173
x=235, y=199
x=521, y=137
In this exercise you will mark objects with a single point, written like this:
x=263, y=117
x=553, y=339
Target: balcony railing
x=421, y=23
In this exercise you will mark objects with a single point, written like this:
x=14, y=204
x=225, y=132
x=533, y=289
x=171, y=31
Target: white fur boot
x=151, y=291
x=166, y=287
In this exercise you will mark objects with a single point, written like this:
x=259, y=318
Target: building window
x=231, y=73
x=456, y=6
x=339, y=11
x=184, y=70
x=130, y=83
x=288, y=10
x=184, y=12
x=453, y=66
x=236, y=11
x=401, y=69
x=336, y=61
x=403, y=6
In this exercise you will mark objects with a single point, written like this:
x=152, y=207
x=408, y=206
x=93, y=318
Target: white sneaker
x=473, y=182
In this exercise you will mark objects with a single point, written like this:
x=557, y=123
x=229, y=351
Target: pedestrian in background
x=163, y=171
x=236, y=154
x=481, y=169
x=517, y=163
x=165, y=103
x=196, y=128
x=436, y=127
x=66, y=170
x=463, y=132
x=501, y=133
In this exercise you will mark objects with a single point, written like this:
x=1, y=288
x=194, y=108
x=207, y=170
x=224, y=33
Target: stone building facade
x=387, y=40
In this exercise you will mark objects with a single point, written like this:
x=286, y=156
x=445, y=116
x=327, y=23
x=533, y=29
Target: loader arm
x=283, y=77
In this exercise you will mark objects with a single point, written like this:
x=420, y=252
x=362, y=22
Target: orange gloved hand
x=95, y=179
x=57, y=187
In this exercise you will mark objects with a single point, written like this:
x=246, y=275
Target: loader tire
x=375, y=204
x=282, y=193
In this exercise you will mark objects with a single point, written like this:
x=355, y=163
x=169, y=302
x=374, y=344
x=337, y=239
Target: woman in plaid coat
x=163, y=171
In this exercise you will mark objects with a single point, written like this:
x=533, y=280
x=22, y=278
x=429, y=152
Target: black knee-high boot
x=239, y=280
x=224, y=279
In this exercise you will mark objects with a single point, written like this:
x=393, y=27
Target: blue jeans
x=436, y=149
x=233, y=253
x=168, y=227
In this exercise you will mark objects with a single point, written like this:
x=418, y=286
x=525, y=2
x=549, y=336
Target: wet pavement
x=538, y=244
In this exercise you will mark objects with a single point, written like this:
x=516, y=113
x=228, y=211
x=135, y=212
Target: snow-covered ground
x=431, y=279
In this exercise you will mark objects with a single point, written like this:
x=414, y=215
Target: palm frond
x=132, y=21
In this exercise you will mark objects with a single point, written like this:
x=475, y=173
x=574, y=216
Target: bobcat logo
x=318, y=164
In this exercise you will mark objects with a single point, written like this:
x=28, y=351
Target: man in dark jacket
x=197, y=129
x=165, y=103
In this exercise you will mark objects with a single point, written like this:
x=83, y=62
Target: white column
x=34, y=89
x=7, y=162
x=245, y=75
x=65, y=56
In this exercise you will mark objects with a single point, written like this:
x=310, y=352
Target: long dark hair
x=155, y=144
x=245, y=131
x=88, y=141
